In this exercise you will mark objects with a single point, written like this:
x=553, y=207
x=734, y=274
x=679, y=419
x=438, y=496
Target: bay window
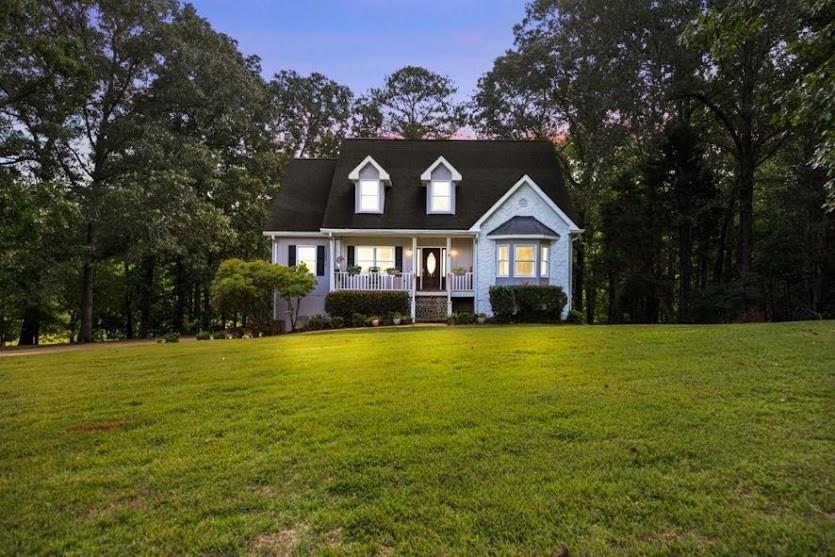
x=503, y=260
x=543, y=261
x=524, y=260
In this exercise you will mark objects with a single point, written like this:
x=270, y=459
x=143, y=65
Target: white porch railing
x=460, y=282
x=372, y=281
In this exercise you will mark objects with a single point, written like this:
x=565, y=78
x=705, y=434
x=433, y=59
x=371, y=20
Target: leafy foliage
x=527, y=303
x=347, y=303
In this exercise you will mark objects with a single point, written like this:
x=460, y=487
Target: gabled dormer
x=370, y=181
x=441, y=180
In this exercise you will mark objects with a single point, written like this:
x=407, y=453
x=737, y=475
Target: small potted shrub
x=452, y=319
x=396, y=318
x=340, y=259
x=459, y=271
x=392, y=271
x=374, y=321
x=353, y=269
x=482, y=318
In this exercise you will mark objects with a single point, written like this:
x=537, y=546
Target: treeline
x=139, y=148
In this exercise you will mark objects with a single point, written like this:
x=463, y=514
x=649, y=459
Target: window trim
x=533, y=261
x=378, y=184
x=315, y=249
x=430, y=195
x=499, y=246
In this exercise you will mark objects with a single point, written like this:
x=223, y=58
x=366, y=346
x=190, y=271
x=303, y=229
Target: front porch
x=424, y=264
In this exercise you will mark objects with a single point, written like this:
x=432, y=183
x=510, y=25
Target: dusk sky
x=358, y=42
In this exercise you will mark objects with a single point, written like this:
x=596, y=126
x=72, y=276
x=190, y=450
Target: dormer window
x=370, y=180
x=441, y=180
x=440, y=196
x=369, y=197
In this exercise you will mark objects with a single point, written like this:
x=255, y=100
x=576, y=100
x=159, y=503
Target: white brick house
x=441, y=220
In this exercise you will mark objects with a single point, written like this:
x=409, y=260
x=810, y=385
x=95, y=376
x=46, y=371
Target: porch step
x=430, y=308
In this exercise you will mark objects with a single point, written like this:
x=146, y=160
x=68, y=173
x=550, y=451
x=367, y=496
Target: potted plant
x=459, y=271
x=396, y=318
x=452, y=318
x=482, y=318
x=373, y=270
x=354, y=269
x=374, y=321
x=393, y=271
x=339, y=260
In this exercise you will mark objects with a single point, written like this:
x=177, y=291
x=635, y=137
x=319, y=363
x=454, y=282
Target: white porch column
x=475, y=275
x=446, y=278
x=332, y=280
x=414, y=275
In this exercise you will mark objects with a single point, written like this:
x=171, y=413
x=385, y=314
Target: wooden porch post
x=414, y=275
x=475, y=275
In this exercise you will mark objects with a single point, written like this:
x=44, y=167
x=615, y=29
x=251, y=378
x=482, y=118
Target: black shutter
x=350, y=256
x=291, y=255
x=398, y=257
x=320, y=261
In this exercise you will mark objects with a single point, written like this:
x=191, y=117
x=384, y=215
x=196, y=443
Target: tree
x=310, y=115
x=746, y=71
x=246, y=288
x=296, y=282
x=414, y=103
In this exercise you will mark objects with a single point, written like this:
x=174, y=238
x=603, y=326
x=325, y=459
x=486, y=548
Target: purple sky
x=358, y=42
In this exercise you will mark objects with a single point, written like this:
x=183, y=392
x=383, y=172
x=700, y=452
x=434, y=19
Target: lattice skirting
x=430, y=308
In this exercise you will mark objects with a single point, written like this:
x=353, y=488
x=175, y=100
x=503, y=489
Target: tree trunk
x=685, y=262
x=30, y=330
x=579, y=275
x=128, y=304
x=146, y=296
x=88, y=275
x=746, y=214
x=179, y=297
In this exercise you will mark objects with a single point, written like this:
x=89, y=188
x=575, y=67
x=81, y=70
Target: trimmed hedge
x=346, y=303
x=527, y=303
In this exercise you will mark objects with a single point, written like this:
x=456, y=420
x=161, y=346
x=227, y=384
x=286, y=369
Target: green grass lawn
x=515, y=440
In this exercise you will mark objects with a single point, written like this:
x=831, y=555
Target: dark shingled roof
x=302, y=198
x=516, y=226
x=489, y=169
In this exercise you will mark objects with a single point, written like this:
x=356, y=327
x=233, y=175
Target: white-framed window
x=307, y=255
x=524, y=260
x=369, y=196
x=543, y=261
x=440, y=196
x=503, y=260
x=381, y=257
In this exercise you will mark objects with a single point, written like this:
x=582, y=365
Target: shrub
x=204, y=335
x=407, y=320
x=171, y=336
x=358, y=320
x=575, y=317
x=337, y=322
x=465, y=318
x=219, y=335
x=527, y=303
x=318, y=322
x=345, y=303
x=371, y=319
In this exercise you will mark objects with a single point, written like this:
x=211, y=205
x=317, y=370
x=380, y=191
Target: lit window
x=370, y=196
x=524, y=260
x=543, y=261
x=440, y=197
x=381, y=257
x=306, y=255
x=502, y=260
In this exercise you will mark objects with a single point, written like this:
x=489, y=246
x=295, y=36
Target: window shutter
x=320, y=261
x=350, y=256
x=398, y=257
x=291, y=255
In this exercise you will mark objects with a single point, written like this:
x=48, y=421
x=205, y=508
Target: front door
x=430, y=277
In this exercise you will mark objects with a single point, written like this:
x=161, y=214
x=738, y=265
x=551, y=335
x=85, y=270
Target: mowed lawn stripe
x=467, y=440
